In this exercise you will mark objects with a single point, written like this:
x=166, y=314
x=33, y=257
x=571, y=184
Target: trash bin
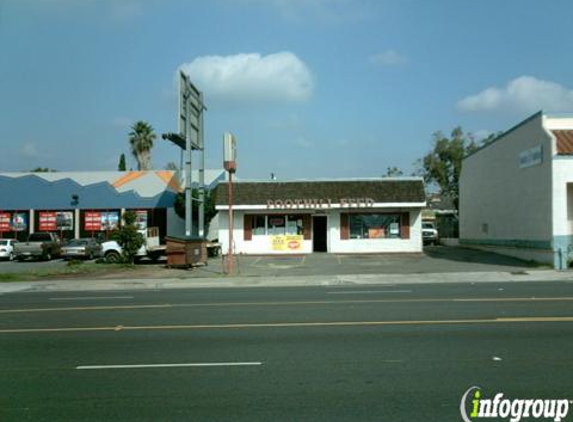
x=186, y=251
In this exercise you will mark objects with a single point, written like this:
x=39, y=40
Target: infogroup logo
x=514, y=409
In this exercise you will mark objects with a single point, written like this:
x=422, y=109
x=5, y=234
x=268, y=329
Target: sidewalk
x=435, y=265
x=287, y=281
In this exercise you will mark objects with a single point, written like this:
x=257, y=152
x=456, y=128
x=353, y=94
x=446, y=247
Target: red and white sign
x=47, y=221
x=93, y=221
x=5, y=222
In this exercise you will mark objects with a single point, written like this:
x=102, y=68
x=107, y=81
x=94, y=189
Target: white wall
x=262, y=244
x=563, y=196
x=515, y=203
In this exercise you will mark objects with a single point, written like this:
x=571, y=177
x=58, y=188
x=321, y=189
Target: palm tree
x=141, y=140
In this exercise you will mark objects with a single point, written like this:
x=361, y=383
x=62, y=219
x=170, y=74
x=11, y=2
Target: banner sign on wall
x=19, y=222
x=5, y=222
x=141, y=219
x=47, y=221
x=92, y=221
x=101, y=221
x=287, y=242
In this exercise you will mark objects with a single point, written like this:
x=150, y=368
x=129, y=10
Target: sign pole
x=230, y=164
x=230, y=255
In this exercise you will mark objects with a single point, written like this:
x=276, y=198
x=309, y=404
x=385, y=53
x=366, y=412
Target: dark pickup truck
x=39, y=246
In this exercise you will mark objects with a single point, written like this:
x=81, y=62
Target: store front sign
x=322, y=203
x=286, y=242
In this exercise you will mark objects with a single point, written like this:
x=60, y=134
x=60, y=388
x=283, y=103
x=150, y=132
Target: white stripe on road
x=171, y=365
x=91, y=298
x=365, y=292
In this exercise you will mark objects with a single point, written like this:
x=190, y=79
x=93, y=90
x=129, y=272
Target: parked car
x=429, y=233
x=87, y=248
x=42, y=245
x=7, y=249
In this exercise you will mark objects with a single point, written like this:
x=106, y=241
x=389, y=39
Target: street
x=332, y=353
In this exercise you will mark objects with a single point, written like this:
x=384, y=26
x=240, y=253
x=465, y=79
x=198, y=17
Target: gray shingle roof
x=391, y=190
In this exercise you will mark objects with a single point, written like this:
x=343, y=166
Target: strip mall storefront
x=338, y=216
x=86, y=204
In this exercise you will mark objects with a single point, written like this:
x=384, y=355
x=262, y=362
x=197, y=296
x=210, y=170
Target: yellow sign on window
x=286, y=242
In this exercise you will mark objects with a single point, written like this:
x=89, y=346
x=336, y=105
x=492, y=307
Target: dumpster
x=186, y=251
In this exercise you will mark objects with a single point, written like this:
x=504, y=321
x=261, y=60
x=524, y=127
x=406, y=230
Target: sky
x=309, y=88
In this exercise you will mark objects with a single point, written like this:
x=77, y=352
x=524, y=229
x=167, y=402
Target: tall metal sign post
x=230, y=164
x=189, y=138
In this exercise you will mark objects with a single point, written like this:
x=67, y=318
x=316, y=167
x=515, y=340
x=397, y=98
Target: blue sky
x=310, y=88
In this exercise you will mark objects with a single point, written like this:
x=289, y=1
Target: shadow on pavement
x=474, y=256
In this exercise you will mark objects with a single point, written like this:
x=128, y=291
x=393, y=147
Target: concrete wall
x=502, y=204
x=262, y=244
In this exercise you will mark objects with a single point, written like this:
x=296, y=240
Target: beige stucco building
x=516, y=192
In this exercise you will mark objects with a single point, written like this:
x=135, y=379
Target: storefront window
x=294, y=225
x=259, y=225
x=374, y=226
x=276, y=224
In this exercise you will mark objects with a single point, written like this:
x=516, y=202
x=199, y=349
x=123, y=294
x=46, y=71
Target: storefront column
x=77, y=223
x=121, y=213
x=32, y=222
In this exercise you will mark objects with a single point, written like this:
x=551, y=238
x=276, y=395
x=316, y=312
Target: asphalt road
x=362, y=353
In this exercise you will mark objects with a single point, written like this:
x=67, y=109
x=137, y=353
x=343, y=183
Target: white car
x=7, y=248
x=429, y=233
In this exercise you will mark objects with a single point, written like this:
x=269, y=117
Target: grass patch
x=71, y=270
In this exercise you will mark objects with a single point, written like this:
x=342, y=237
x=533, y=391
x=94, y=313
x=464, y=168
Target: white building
x=516, y=192
x=336, y=216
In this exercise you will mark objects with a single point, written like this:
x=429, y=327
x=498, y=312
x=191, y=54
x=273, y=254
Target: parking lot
x=434, y=259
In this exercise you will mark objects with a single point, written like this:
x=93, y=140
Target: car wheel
x=112, y=257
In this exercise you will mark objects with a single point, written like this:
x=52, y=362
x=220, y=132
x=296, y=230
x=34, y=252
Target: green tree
x=210, y=210
x=443, y=165
x=121, y=165
x=393, y=172
x=141, y=140
x=128, y=237
x=43, y=170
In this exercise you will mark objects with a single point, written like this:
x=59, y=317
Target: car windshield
x=427, y=226
x=3, y=242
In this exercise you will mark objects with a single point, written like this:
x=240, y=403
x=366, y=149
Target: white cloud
x=252, y=78
x=388, y=58
x=523, y=94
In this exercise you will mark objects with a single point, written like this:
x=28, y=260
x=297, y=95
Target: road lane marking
x=290, y=325
x=91, y=298
x=288, y=303
x=85, y=308
x=170, y=365
x=359, y=292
